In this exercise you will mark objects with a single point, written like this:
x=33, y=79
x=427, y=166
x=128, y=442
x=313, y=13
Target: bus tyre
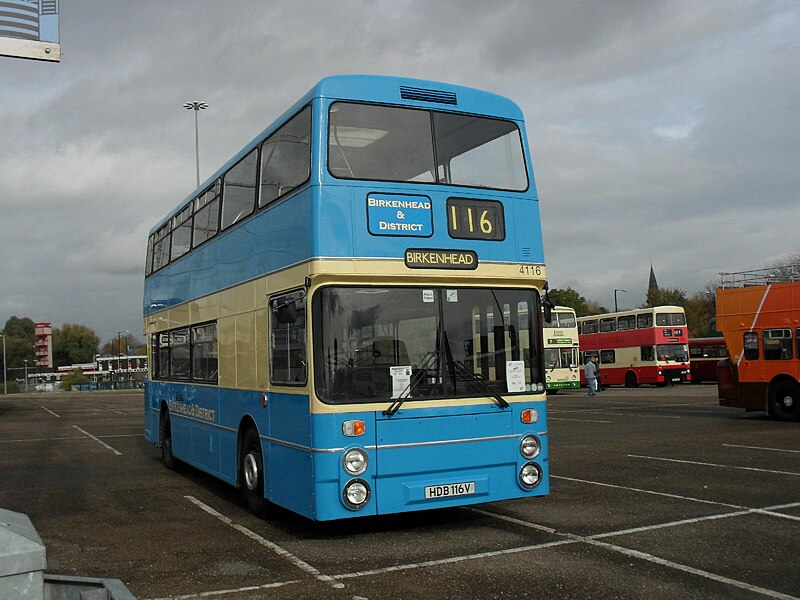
x=251, y=476
x=784, y=401
x=630, y=380
x=165, y=434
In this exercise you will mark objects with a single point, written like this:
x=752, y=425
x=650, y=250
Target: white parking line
x=705, y=464
x=594, y=541
x=769, y=510
x=51, y=412
x=249, y=588
x=102, y=443
x=579, y=420
x=455, y=559
x=761, y=448
x=67, y=438
x=119, y=412
x=55, y=439
x=298, y=562
x=687, y=569
x=606, y=411
x=654, y=493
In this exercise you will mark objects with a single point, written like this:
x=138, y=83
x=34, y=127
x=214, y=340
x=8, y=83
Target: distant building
x=105, y=368
x=43, y=346
x=652, y=285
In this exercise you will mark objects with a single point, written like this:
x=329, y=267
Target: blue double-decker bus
x=345, y=319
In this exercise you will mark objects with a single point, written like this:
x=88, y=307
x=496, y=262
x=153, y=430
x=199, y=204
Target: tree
x=571, y=298
x=786, y=268
x=74, y=343
x=17, y=352
x=127, y=344
x=700, y=310
x=23, y=328
x=666, y=297
x=75, y=377
x=19, y=334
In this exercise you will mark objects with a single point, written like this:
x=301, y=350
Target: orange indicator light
x=529, y=415
x=353, y=428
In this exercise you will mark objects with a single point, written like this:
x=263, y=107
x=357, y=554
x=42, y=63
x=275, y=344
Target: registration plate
x=451, y=489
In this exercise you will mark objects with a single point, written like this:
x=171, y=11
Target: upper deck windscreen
x=389, y=143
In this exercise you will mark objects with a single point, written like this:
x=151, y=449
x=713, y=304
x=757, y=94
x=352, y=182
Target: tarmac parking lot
x=656, y=493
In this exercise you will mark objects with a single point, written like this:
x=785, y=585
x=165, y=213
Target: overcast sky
x=662, y=132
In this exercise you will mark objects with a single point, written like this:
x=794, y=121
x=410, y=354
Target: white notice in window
x=515, y=375
x=401, y=378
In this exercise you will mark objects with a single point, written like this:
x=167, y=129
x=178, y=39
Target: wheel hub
x=250, y=472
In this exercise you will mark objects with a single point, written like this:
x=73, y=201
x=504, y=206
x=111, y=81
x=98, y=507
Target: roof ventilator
x=423, y=95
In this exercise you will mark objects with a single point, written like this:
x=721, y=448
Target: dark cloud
x=663, y=132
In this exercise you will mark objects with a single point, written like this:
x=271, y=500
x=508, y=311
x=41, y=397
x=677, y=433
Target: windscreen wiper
x=461, y=369
x=422, y=371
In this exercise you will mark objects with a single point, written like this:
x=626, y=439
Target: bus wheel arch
x=783, y=399
x=631, y=380
x=250, y=472
x=165, y=438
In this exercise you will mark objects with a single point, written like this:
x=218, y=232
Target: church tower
x=652, y=286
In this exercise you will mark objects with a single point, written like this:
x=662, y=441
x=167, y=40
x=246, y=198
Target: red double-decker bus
x=704, y=354
x=646, y=345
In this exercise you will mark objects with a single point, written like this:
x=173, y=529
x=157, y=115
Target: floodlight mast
x=196, y=106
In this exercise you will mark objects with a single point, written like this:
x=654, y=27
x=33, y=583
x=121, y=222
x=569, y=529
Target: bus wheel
x=252, y=474
x=630, y=379
x=167, y=457
x=784, y=402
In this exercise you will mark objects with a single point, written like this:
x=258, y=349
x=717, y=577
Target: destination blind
x=420, y=258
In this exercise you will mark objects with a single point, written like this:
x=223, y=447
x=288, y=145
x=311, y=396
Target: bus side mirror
x=548, y=310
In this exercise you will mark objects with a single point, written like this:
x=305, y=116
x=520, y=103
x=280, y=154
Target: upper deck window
x=286, y=158
x=665, y=319
x=402, y=144
x=563, y=320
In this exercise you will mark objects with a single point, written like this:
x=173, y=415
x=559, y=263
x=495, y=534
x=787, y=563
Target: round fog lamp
x=356, y=494
x=530, y=475
x=355, y=461
x=529, y=446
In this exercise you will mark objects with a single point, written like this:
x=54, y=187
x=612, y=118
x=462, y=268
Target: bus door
x=288, y=417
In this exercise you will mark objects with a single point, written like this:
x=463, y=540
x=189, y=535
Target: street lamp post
x=119, y=351
x=196, y=106
x=615, y=299
x=5, y=378
x=25, y=360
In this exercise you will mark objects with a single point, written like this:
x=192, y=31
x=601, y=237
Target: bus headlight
x=530, y=475
x=355, y=461
x=529, y=446
x=356, y=494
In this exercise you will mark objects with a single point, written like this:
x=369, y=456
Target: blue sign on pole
x=400, y=215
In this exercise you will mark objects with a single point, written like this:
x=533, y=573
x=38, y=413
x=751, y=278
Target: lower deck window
x=777, y=344
x=186, y=354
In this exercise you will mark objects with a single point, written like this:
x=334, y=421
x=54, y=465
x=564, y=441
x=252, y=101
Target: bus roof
x=739, y=279
x=380, y=89
x=632, y=311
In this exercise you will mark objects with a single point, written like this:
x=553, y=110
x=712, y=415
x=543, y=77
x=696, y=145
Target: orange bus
x=758, y=312
x=704, y=354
